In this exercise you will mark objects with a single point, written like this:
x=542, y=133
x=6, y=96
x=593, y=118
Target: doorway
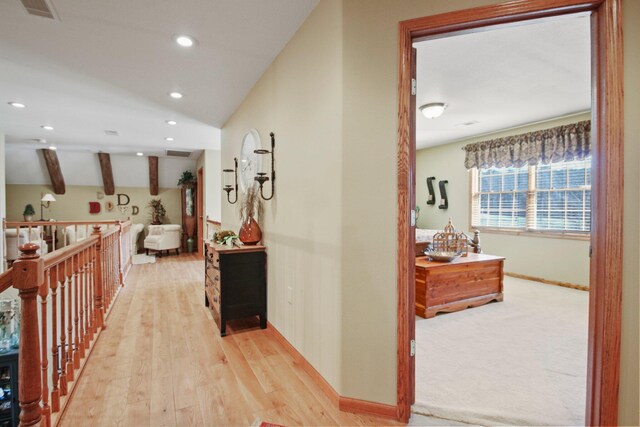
x=606, y=237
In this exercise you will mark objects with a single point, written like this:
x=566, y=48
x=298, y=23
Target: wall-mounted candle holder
x=432, y=194
x=444, y=201
x=228, y=187
x=262, y=177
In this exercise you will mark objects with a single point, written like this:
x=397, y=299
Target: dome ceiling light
x=433, y=110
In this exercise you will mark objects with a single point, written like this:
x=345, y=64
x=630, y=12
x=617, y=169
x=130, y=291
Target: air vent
x=177, y=153
x=111, y=132
x=38, y=8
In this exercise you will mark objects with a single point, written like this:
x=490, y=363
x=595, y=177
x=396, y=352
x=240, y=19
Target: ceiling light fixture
x=171, y=122
x=139, y=154
x=17, y=104
x=433, y=109
x=52, y=147
x=42, y=141
x=47, y=127
x=185, y=41
x=175, y=95
x=168, y=139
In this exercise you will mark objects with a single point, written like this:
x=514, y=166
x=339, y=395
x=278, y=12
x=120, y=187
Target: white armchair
x=163, y=238
x=13, y=240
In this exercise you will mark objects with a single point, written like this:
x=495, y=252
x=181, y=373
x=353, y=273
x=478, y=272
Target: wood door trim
x=200, y=210
x=608, y=135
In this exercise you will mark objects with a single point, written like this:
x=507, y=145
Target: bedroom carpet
x=522, y=361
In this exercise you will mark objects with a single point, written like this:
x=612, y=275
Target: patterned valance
x=567, y=142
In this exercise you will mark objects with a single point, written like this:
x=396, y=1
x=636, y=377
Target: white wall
x=213, y=184
x=530, y=255
x=299, y=98
x=27, y=166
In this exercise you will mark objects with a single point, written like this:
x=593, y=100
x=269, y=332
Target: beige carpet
x=519, y=362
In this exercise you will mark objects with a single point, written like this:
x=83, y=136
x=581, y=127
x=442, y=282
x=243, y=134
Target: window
x=545, y=198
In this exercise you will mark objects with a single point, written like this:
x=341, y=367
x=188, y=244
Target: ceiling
x=498, y=79
x=109, y=65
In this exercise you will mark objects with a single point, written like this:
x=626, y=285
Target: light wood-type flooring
x=161, y=362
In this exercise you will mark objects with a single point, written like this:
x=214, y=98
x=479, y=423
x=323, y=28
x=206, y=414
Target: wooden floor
x=161, y=362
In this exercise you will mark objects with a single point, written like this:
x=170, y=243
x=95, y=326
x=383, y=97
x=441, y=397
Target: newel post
x=120, y=255
x=28, y=274
x=97, y=280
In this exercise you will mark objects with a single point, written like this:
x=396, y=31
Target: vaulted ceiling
x=109, y=66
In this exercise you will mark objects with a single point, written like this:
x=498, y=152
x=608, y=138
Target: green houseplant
x=29, y=212
x=187, y=179
x=157, y=211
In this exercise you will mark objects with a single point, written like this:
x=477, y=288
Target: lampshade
x=48, y=198
x=433, y=109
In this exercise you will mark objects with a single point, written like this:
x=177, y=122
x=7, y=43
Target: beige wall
x=209, y=161
x=331, y=98
x=74, y=204
x=299, y=98
x=529, y=254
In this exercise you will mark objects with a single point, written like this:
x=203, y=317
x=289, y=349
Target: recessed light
x=139, y=154
x=40, y=140
x=171, y=122
x=47, y=127
x=53, y=147
x=433, y=110
x=168, y=139
x=175, y=95
x=185, y=41
x=111, y=132
x=17, y=104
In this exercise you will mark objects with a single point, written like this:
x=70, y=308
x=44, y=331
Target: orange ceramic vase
x=250, y=233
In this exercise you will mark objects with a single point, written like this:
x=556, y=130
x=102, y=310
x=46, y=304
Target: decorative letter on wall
x=123, y=199
x=94, y=207
x=432, y=195
x=444, y=201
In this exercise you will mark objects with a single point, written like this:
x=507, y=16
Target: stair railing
x=76, y=286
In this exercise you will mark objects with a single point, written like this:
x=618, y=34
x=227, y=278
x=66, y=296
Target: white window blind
x=554, y=197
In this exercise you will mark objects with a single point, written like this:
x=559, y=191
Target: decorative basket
x=451, y=241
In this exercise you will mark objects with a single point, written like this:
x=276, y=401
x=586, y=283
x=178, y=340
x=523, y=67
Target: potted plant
x=29, y=212
x=187, y=179
x=251, y=206
x=157, y=211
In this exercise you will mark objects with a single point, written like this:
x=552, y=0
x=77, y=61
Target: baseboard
x=345, y=404
x=548, y=282
x=358, y=406
x=306, y=366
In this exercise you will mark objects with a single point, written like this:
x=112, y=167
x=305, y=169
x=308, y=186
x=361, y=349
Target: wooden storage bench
x=466, y=282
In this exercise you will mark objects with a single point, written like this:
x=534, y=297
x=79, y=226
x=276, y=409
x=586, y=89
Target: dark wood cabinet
x=9, y=405
x=235, y=283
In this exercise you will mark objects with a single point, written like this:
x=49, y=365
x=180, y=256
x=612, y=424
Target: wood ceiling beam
x=55, y=172
x=107, y=173
x=153, y=175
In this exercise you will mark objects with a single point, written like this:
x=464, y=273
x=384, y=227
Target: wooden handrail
x=60, y=255
x=13, y=224
x=6, y=280
x=76, y=287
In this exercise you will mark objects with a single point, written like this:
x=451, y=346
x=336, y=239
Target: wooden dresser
x=235, y=284
x=466, y=282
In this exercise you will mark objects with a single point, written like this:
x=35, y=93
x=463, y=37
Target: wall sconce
x=262, y=177
x=231, y=187
x=45, y=202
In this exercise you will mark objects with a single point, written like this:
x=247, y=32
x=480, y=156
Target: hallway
x=161, y=362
